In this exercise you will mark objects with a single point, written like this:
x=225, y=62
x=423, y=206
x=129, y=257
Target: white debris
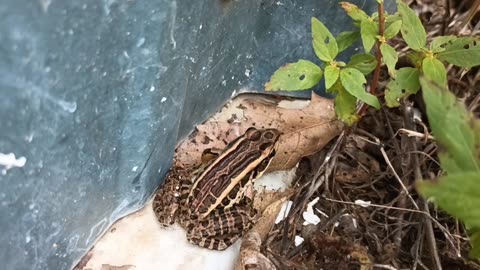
x=163, y=99
x=134, y=169
x=309, y=216
x=298, y=240
x=283, y=211
x=321, y=212
x=363, y=203
x=10, y=161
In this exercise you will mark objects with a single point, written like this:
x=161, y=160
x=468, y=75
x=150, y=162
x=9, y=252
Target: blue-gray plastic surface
x=96, y=94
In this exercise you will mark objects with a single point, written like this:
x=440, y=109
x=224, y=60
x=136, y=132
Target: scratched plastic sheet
x=94, y=96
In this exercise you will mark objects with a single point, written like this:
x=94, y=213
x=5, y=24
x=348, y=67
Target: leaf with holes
x=412, y=29
x=438, y=43
x=435, y=70
x=369, y=32
x=324, y=44
x=353, y=81
x=462, y=52
x=364, y=62
x=405, y=83
x=346, y=39
x=295, y=76
x=390, y=58
x=331, y=76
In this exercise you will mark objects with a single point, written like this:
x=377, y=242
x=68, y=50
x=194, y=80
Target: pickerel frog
x=209, y=201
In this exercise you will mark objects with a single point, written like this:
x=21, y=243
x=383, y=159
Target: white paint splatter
x=172, y=26
x=9, y=161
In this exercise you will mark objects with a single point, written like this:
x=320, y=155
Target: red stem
x=378, y=56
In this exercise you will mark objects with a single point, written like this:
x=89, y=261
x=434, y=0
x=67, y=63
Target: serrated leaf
x=390, y=58
x=462, y=52
x=331, y=76
x=345, y=105
x=368, y=32
x=458, y=132
x=405, y=83
x=324, y=44
x=453, y=127
x=434, y=70
x=456, y=193
x=438, y=43
x=346, y=39
x=364, y=62
x=300, y=75
x=393, y=29
x=353, y=11
x=353, y=81
x=412, y=29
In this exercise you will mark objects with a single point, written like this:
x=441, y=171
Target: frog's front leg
x=222, y=227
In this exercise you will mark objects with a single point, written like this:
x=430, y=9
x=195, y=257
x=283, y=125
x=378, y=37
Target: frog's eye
x=253, y=134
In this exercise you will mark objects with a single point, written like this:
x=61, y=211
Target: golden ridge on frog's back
x=212, y=206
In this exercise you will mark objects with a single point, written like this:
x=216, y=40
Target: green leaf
x=438, y=43
x=390, y=58
x=456, y=193
x=353, y=81
x=412, y=29
x=345, y=105
x=393, y=29
x=354, y=12
x=346, y=39
x=453, y=127
x=458, y=133
x=475, y=241
x=364, y=62
x=295, y=76
x=435, y=70
x=324, y=44
x=405, y=83
x=462, y=52
x=369, y=32
x=331, y=76
x=416, y=58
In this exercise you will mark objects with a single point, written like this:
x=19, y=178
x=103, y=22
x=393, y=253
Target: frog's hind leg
x=221, y=228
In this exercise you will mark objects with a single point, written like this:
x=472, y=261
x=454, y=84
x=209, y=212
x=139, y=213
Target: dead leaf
x=306, y=126
x=250, y=254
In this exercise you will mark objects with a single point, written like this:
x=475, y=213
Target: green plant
x=453, y=126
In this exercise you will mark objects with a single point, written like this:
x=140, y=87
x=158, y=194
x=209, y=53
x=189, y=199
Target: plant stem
x=378, y=56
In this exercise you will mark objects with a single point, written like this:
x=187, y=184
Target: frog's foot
x=221, y=228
